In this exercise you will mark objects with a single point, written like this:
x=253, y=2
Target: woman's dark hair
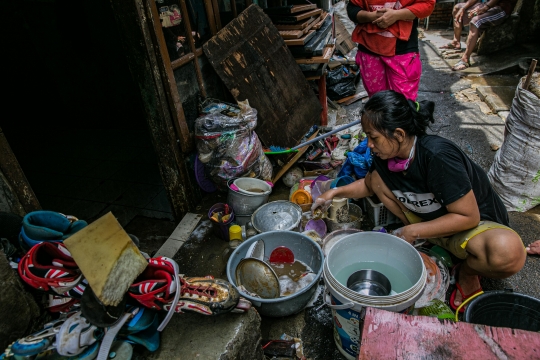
x=388, y=110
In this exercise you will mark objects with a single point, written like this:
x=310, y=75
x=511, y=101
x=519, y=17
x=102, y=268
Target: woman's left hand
x=389, y=17
x=406, y=234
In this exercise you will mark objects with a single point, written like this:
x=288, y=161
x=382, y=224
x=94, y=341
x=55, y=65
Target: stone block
x=499, y=37
x=499, y=98
x=224, y=337
x=18, y=309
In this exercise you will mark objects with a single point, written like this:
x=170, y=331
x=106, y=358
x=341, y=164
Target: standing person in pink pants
x=387, y=37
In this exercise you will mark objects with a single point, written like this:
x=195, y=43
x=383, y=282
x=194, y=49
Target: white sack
x=515, y=173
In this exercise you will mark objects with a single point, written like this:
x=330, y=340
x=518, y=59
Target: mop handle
x=326, y=135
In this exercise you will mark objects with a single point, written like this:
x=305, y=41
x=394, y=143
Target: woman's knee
x=505, y=252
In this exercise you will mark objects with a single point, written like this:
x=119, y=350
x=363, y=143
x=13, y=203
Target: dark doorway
x=73, y=114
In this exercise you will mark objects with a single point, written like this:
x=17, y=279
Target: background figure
x=387, y=37
x=479, y=16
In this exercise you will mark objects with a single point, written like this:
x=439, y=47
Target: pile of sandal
x=83, y=327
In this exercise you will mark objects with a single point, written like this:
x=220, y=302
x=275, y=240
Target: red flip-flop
x=455, y=274
x=464, y=297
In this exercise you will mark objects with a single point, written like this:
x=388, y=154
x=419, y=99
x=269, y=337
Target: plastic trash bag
x=340, y=83
x=358, y=161
x=228, y=145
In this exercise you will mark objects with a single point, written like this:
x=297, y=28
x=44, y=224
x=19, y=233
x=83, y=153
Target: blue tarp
x=358, y=161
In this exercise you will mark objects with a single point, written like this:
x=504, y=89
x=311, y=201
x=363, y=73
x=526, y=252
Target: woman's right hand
x=323, y=202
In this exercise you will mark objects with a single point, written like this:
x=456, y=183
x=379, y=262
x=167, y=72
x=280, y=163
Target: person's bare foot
x=469, y=284
x=534, y=248
x=453, y=45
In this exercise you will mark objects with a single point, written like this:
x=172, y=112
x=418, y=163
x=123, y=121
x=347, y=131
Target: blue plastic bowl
x=341, y=181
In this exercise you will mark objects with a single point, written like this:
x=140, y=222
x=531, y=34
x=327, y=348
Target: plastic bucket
x=341, y=181
x=395, y=258
x=221, y=230
x=505, y=309
x=244, y=204
x=252, y=186
x=304, y=249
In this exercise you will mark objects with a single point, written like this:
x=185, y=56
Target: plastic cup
x=221, y=229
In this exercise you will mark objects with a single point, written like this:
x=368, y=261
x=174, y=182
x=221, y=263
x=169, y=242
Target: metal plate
x=257, y=277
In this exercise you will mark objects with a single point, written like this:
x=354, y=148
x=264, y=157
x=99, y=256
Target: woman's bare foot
x=534, y=248
x=453, y=45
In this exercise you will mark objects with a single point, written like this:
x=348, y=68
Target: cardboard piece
x=107, y=257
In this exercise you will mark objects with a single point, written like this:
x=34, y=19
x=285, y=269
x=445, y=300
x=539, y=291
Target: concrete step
x=196, y=336
x=499, y=98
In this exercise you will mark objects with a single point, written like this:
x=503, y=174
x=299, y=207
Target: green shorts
x=457, y=243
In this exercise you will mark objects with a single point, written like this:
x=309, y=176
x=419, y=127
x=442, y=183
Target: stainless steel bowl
x=277, y=215
x=369, y=282
x=356, y=222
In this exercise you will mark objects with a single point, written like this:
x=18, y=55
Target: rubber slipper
x=455, y=275
x=463, y=297
x=450, y=46
x=460, y=63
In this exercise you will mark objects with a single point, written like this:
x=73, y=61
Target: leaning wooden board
x=254, y=63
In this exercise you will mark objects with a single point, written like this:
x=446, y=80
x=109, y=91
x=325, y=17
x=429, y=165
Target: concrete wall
x=18, y=310
x=523, y=26
x=8, y=200
x=529, y=25
x=440, y=17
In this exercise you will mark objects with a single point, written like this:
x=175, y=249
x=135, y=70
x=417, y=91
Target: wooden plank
x=289, y=9
x=321, y=20
x=292, y=160
x=141, y=54
x=327, y=41
x=302, y=40
x=355, y=98
x=291, y=34
x=320, y=39
x=171, y=89
x=390, y=335
x=291, y=19
x=179, y=236
x=310, y=25
x=325, y=58
x=254, y=63
x=299, y=26
x=343, y=40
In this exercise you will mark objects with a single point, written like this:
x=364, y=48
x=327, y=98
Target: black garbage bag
x=340, y=83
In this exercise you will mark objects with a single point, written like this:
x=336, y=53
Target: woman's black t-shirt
x=440, y=174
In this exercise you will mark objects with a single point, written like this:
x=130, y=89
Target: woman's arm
x=359, y=15
x=463, y=214
x=390, y=16
x=358, y=189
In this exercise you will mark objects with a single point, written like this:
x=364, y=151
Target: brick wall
x=441, y=16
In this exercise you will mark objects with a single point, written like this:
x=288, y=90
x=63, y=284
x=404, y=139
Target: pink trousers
x=400, y=73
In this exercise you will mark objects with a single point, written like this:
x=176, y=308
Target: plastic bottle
x=235, y=236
